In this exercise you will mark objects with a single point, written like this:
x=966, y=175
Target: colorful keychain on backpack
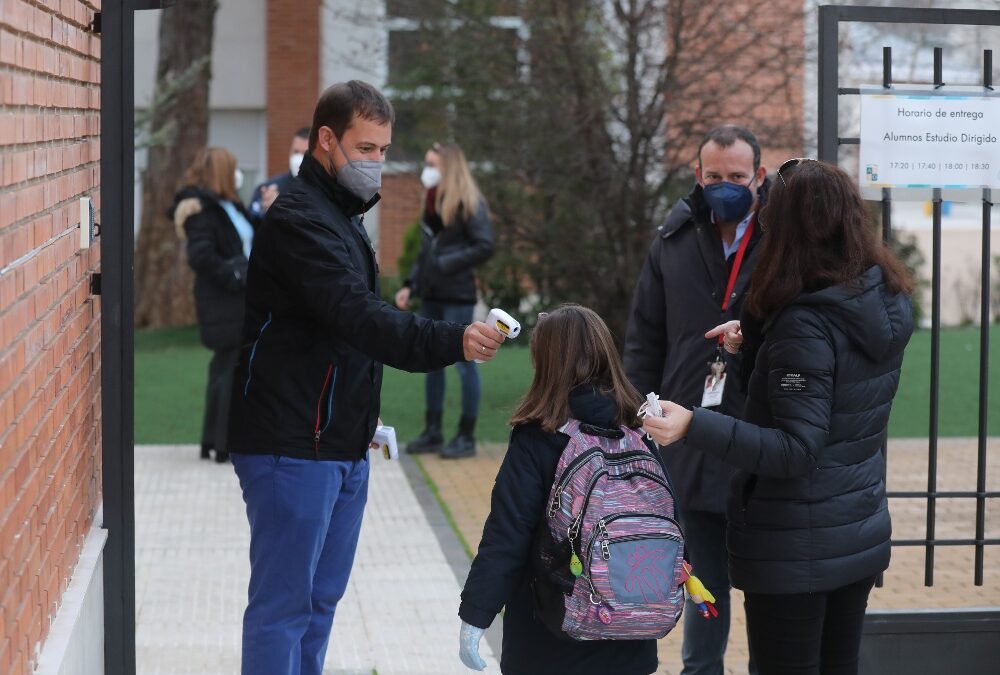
x=699, y=595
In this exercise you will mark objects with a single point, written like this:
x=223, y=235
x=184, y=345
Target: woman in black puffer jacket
x=218, y=232
x=455, y=238
x=808, y=517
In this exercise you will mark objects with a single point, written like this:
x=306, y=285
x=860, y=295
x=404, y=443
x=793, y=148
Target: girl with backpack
x=579, y=388
x=808, y=520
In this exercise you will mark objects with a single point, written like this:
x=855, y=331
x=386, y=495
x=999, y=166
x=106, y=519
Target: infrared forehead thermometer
x=504, y=323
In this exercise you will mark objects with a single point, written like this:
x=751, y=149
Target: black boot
x=221, y=456
x=430, y=440
x=464, y=443
x=206, y=450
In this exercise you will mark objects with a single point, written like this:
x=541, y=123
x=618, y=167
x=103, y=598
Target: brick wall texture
x=49, y=322
x=402, y=199
x=293, y=74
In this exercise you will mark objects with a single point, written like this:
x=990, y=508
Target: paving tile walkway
x=399, y=613
x=465, y=486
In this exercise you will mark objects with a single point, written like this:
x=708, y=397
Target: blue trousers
x=468, y=373
x=704, y=646
x=305, y=518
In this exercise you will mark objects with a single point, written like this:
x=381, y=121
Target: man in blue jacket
x=306, y=392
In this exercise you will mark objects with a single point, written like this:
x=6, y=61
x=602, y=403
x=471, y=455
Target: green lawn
x=171, y=368
x=171, y=365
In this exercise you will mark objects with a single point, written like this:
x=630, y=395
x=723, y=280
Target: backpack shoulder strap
x=570, y=428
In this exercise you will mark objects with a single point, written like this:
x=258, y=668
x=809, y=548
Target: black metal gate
x=924, y=641
x=115, y=23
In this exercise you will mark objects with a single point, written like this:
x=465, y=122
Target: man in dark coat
x=265, y=193
x=695, y=277
x=307, y=389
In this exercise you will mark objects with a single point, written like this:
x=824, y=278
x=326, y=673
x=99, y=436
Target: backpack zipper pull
x=605, y=550
x=556, y=502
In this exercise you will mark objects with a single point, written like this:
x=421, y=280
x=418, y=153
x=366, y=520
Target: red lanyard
x=737, y=263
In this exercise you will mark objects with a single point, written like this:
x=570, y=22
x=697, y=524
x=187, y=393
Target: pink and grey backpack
x=610, y=554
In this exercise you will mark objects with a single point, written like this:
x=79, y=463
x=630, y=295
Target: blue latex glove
x=468, y=647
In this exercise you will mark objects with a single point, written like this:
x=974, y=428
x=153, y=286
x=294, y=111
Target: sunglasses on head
x=790, y=164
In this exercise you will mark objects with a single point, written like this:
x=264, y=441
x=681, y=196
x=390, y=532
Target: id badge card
x=715, y=385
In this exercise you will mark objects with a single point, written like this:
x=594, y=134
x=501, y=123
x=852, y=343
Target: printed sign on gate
x=917, y=140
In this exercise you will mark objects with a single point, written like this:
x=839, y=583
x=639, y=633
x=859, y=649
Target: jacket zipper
x=253, y=353
x=319, y=410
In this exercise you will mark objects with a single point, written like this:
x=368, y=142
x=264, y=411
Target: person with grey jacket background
x=456, y=237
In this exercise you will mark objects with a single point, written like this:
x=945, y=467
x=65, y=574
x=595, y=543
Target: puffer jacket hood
x=878, y=323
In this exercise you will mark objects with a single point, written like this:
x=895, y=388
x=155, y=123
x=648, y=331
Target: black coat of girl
x=215, y=253
x=445, y=267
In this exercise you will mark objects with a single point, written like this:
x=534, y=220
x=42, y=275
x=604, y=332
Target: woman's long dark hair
x=817, y=234
x=569, y=347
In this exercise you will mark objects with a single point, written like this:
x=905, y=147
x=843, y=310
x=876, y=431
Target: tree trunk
x=163, y=278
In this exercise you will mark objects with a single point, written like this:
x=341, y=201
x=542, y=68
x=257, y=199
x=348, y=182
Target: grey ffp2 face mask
x=360, y=177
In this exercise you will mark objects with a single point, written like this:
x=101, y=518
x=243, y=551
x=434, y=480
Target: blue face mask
x=728, y=201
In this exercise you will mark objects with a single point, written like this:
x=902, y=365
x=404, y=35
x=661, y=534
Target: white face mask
x=430, y=177
x=294, y=162
x=238, y=178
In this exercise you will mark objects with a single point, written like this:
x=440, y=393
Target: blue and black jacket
x=317, y=332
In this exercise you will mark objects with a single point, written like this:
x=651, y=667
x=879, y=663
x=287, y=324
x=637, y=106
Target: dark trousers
x=808, y=633
x=220, y=382
x=704, y=646
x=305, y=519
x=468, y=373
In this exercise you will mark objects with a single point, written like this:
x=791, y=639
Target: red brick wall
x=761, y=88
x=49, y=323
x=293, y=74
x=402, y=195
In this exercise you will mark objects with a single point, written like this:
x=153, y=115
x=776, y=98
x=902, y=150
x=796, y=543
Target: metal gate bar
x=830, y=17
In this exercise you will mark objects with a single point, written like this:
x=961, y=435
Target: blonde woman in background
x=218, y=232
x=456, y=237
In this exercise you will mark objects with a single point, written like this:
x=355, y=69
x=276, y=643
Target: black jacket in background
x=317, y=333
x=215, y=253
x=808, y=511
x=445, y=267
x=281, y=180
x=677, y=298
x=502, y=571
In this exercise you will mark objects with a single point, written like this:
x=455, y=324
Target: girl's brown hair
x=458, y=196
x=571, y=346
x=817, y=234
x=213, y=169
